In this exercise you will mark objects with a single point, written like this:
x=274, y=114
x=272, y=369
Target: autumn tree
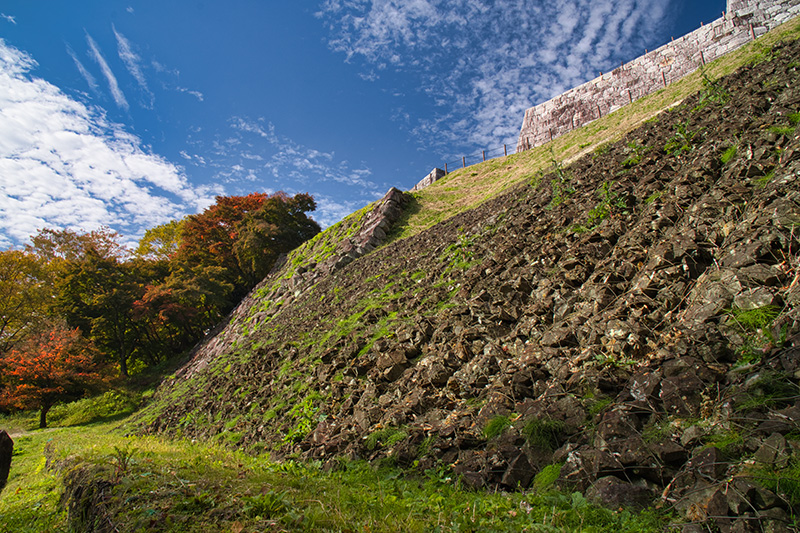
x=58, y=246
x=25, y=294
x=57, y=365
x=236, y=241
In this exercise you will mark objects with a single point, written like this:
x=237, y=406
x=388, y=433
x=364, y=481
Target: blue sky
x=130, y=114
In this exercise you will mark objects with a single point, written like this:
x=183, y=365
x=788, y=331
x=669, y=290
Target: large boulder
x=6, y=449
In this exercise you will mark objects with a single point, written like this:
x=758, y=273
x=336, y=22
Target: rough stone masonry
x=743, y=21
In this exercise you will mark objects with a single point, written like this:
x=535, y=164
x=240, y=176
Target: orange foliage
x=57, y=365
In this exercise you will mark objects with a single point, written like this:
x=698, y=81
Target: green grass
x=496, y=426
x=728, y=154
x=154, y=484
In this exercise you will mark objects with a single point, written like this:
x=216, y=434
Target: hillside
x=631, y=316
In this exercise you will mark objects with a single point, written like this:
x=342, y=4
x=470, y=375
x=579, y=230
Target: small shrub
x=543, y=434
x=196, y=503
x=782, y=130
x=610, y=202
x=303, y=413
x=547, y=477
x=597, y=405
x=636, y=152
x=656, y=431
x=755, y=319
x=496, y=426
x=728, y=154
x=560, y=184
x=121, y=460
x=682, y=141
x=729, y=442
x=712, y=91
x=461, y=254
x=653, y=197
x=765, y=54
x=755, y=326
x=385, y=438
x=771, y=389
x=782, y=481
x=601, y=150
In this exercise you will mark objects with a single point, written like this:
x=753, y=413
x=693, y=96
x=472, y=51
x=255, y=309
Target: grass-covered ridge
x=126, y=484
x=466, y=188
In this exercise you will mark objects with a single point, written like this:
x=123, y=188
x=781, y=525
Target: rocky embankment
x=632, y=317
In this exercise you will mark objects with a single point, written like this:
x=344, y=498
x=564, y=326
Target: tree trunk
x=123, y=365
x=43, y=416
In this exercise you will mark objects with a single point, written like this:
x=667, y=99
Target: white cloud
x=132, y=63
x=483, y=62
x=113, y=86
x=90, y=81
x=196, y=94
x=64, y=165
x=330, y=210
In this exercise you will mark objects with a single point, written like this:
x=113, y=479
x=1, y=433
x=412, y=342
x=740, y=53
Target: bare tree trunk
x=43, y=416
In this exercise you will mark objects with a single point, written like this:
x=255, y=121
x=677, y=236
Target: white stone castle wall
x=744, y=21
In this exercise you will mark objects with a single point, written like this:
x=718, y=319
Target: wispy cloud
x=90, y=81
x=9, y=18
x=133, y=64
x=196, y=94
x=113, y=85
x=303, y=164
x=64, y=165
x=252, y=153
x=484, y=62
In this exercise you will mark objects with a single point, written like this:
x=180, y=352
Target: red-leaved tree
x=55, y=366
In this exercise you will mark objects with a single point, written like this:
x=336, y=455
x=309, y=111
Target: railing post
x=484, y=155
x=463, y=161
x=505, y=150
x=445, y=169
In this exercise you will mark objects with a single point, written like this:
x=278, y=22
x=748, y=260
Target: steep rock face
x=633, y=317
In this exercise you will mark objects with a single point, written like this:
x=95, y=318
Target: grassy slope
x=466, y=188
x=184, y=486
x=161, y=485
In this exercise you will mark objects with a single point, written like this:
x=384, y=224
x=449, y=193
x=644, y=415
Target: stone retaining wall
x=744, y=21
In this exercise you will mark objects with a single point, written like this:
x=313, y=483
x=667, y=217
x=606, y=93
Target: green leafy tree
x=161, y=242
x=277, y=227
x=234, y=243
x=96, y=294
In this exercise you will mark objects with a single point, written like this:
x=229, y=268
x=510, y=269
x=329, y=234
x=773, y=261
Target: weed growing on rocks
x=729, y=154
x=610, y=203
x=682, y=141
x=712, y=92
x=636, y=152
x=559, y=184
x=543, y=434
x=496, y=426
